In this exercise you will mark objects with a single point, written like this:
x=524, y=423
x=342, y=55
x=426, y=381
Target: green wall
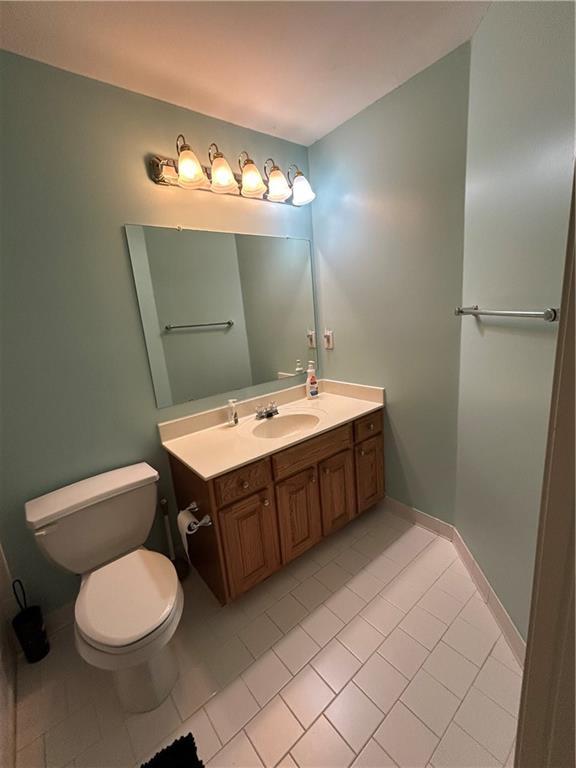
x=388, y=234
x=518, y=181
x=77, y=395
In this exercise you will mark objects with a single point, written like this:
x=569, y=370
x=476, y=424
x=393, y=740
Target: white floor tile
x=352, y=560
x=32, y=756
x=409, y=544
x=322, y=747
x=304, y=566
x=405, y=738
x=504, y=655
x=451, y=669
x=287, y=612
x=280, y=584
x=403, y=652
x=500, y=684
x=227, y=621
x=194, y=687
x=437, y=557
x=39, y=706
x=382, y=615
x=260, y=635
x=361, y=638
x=322, y=625
x=296, y=649
x=311, y=593
x=307, y=695
x=231, y=709
x=147, y=729
x=71, y=737
x=456, y=583
x=333, y=576
x=487, y=723
x=112, y=751
x=373, y=756
x=354, y=716
x=429, y=700
x=381, y=682
x=266, y=677
x=423, y=627
x=440, y=604
x=365, y=584
x=477, y=613
x=274, y=731
x=406, y=590
x=239, y=753
x=345, y=604
x=383, y=568
x=469, y=641
x=458, y=750
x=257, y=600
x=336, y=665
x=206, y=738
x=228, y=661
x=287, y=762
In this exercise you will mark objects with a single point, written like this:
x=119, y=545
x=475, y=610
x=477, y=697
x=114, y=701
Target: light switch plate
x=328, y=338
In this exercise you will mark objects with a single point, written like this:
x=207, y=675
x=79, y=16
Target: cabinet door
x=337, y=491
x=298, y=513
x=250, y=540
x=369, y=472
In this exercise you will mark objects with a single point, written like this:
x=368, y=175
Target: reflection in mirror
x=221, y=311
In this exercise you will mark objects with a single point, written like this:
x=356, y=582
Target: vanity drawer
x=368, y=426
x=312, y=451
x=242, y=482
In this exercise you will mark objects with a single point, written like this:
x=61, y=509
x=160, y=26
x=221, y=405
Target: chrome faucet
x=267, y=411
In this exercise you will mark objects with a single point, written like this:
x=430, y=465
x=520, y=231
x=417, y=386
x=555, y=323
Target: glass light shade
x=302, y=192
x=190, y=173
x=223, y=180
x=252, y=184
x=278, y=188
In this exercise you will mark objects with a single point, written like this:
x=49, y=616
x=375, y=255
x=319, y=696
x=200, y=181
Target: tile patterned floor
x=372, y=650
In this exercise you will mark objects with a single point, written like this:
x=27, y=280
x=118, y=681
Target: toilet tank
x=84, y=525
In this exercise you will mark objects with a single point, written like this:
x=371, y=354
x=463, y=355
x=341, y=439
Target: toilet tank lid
x=52, y=506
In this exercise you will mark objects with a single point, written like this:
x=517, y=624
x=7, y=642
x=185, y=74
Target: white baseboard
x=450, y=532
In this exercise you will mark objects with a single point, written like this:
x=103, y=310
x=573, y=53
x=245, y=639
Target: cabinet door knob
x=362, y=452
x=245, y=484
x=327, y=471
x=266, y=502
x=313, y=478
x=371, y=427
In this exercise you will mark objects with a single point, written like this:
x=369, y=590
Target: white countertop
x=219, y=449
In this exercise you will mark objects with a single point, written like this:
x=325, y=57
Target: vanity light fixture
x=252, y=182
x=190, y=173
x=223, y=181
x=302, y=192
x=278, y=188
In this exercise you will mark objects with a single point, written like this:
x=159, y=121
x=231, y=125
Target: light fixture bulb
x=278, y=187
x=223, y=181
x=190, y=173
x=302, y=192
x=252, y=183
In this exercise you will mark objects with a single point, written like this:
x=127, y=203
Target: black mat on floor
x=180, y=754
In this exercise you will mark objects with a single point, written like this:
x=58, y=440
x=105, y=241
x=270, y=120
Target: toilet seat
x=126, y=603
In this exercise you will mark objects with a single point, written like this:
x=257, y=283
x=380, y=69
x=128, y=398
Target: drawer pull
x=245, y=485
x=266, y=502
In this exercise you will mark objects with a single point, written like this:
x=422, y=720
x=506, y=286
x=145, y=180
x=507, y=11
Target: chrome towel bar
x=549, y=314
x=226, y=323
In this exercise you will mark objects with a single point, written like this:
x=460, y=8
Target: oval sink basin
x=286, y=424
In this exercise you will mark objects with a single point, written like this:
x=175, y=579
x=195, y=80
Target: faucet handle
x=260, y=410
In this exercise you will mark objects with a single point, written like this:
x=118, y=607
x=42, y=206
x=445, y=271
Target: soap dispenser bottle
x=232, y=413
x=311, y=381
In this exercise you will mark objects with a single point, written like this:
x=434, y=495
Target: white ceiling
x=291, y=69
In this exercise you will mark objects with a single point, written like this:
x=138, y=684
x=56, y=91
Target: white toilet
x=130, y=599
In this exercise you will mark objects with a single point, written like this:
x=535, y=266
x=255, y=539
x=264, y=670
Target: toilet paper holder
x=194, y=525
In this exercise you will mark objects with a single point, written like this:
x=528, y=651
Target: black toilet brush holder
x=29, y=626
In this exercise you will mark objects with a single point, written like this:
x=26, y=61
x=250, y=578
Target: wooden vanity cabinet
x=337, y=491
x=250, y=540
x=271, y=511
x=299, y=520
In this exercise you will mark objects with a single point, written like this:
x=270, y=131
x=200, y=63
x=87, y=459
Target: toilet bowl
x=130, y=600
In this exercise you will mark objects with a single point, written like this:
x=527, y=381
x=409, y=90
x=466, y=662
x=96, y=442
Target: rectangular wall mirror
x=221, y=311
